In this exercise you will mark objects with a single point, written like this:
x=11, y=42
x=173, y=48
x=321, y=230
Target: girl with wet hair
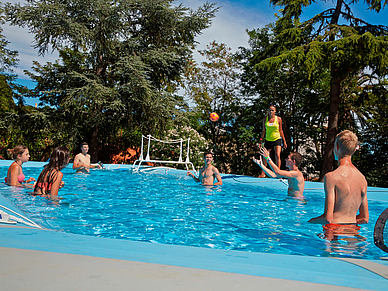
x=15, y=176
x=50, y=179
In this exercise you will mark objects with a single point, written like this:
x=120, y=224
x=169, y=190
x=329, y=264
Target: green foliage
x=301, y=102
x=34, y=128
x=213, y=86
x=120, y=62
x=323, y=52
x=171, y=151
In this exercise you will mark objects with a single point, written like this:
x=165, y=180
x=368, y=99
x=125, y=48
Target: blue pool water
x=168, y=207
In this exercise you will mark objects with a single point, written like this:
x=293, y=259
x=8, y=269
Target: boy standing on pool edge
x=345, y=188
x=208, y=173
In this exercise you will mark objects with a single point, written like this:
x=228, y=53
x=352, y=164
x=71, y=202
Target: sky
x=229, y=27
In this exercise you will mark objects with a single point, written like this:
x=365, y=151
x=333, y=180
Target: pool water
x=171, y=208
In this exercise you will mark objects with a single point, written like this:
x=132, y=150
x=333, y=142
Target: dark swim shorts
x=270, y=144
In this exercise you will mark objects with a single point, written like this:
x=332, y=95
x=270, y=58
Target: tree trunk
x=335, y=91
x=94, y=145
x=328, y=157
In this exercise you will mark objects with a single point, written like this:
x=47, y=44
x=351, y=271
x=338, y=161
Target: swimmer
x=294, y=175
x=208, y=173
x=82, y=160
x=50, y=179
x=345, y=187
x=15, y=176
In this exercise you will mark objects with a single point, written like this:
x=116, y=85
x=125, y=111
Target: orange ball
x=214, y=116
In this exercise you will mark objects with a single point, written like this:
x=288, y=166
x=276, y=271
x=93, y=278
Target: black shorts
x=270, y=144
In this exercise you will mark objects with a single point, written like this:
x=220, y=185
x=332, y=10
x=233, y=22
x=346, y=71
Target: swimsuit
x=20, y=178
x=46, y=180
x=46, y=186
x=338, y=225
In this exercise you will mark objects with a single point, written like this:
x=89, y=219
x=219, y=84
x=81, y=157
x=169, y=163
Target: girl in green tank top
x=273, y=133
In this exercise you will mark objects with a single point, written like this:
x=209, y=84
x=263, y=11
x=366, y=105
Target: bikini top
x=46, y=179
x=21, y=176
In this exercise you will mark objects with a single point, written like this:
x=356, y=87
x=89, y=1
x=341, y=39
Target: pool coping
x=352, y=273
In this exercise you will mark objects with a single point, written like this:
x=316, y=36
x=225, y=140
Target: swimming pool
x=164, y=206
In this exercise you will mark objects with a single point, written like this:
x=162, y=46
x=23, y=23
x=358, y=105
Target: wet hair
x=83, y=143
x=16, y=151
x=297, y=157
x=207, y=153
x=347, y=142
x=59, y=159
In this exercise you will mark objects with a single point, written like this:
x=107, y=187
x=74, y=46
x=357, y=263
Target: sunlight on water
x=173, y=209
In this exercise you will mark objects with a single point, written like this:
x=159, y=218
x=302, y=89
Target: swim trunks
x=336, y=225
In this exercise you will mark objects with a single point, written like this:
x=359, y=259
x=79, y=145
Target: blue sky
x=233, y=18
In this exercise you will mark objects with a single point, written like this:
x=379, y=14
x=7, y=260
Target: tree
x=119, y=62
x=325, y=42
x=8, y=60
x=213, y=86
x=301, y=102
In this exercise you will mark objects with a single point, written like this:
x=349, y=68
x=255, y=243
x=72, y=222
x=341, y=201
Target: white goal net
x=165, y=152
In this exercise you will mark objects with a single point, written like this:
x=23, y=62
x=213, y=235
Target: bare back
x=345, y=193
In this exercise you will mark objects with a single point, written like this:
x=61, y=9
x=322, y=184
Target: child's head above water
x=59, y=158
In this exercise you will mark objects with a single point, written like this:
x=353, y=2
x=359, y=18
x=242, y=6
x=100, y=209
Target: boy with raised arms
x=294, y=175
x=345, y=187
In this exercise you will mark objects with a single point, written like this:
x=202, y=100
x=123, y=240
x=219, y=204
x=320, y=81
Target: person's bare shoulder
x=333, y=174
x=361, y=178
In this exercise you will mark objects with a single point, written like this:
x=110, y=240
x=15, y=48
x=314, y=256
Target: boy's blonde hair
x=347, y=142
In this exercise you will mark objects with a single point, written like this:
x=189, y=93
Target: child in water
x=15, y=176
x=50, y=179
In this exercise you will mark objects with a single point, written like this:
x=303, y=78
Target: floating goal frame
x=147, y=159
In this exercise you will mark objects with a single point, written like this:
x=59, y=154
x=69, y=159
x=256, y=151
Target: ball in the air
x=214, y=116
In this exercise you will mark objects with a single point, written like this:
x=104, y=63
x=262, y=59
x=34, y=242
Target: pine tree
x=334, y=40
x=119, y=60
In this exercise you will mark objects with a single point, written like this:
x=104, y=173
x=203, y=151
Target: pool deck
x=37, y=259
x=41, y=259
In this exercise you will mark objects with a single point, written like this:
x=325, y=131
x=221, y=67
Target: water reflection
x=343, y=240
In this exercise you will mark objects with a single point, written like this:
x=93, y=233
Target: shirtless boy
x=294, y=175
x=345, y=188
x=208, y=173
x=82, y=160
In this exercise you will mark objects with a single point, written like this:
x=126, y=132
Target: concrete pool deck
x=41, y=259
x=37, y=259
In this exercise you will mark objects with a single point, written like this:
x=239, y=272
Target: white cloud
x=231, y=21
x=22, y=41
x=228, y=27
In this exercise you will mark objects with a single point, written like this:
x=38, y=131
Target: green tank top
x=272, y=132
